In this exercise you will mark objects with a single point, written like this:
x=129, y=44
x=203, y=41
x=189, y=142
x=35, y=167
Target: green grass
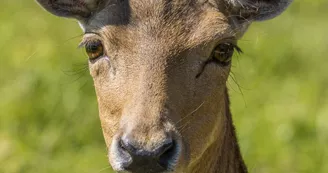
x=48, y=111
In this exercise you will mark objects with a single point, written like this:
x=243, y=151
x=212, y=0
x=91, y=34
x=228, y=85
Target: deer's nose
x=135, y=151
x=141, y=159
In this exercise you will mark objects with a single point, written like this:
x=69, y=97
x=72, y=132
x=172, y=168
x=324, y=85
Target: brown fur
x=152, y=84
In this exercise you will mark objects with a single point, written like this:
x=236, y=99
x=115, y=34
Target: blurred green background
x=48, y=111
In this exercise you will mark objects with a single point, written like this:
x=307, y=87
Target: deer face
x=160, y=83
x=159, y=70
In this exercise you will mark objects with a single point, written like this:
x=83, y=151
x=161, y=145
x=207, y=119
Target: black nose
x=143, y=160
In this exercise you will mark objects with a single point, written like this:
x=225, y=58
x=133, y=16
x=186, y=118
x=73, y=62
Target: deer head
x=160, y=69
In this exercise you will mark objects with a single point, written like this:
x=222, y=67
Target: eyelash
x=237, y=48
x=83, y=43
x=212, y=60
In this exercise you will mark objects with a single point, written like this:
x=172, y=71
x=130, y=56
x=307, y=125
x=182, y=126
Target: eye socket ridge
x=223, y=53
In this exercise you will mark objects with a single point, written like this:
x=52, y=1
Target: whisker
x=186, y=127
x=29, y=57
x=239, y=87
x=75, y=72
x=180, y=128
x=82, y=74
x=191, y=112
x=103, y=169
x=74, y=37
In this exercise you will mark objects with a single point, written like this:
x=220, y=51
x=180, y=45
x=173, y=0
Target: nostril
x=168, y=155
x=164, y=148
x=133, y=156
x=125, y=145
x=156, y=153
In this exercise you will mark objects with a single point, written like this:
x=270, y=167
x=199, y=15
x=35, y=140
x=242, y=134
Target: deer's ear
x=259, y=9
x=79, y=9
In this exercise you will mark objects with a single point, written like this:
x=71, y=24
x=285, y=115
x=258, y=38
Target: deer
x=160, y=69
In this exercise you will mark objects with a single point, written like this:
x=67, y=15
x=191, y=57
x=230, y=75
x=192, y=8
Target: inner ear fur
x=258, y=10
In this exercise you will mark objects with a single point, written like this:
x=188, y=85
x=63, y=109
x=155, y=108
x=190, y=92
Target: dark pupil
x=93, y=47
x=226, y=50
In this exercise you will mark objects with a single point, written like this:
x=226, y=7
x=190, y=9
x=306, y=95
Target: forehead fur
x=178, y=25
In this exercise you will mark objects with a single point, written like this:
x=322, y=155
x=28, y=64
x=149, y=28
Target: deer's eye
x=94, y=49
x=223, y=52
